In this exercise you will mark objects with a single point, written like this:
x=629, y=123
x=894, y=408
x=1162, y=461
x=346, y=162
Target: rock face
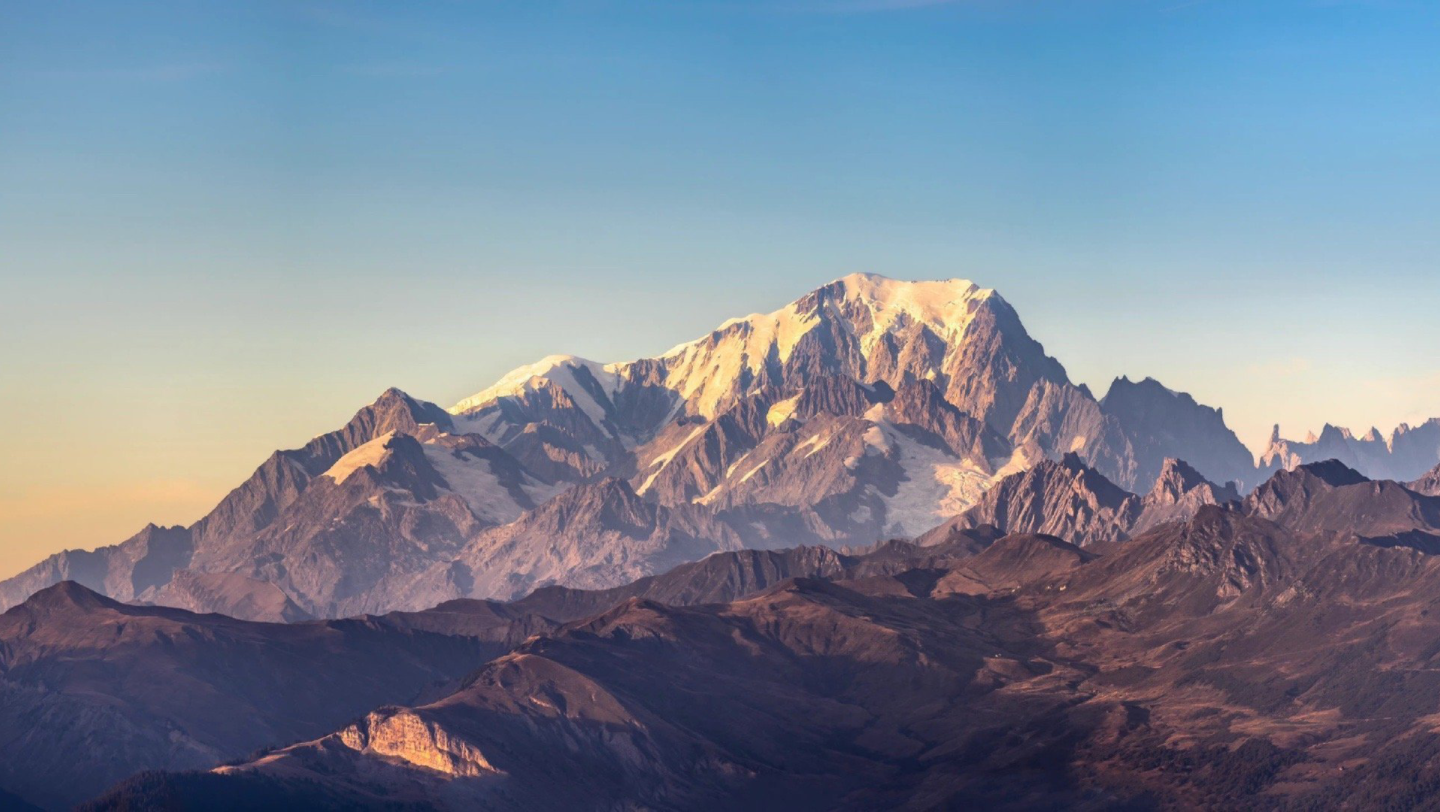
x=1160, y=423
x=868, y=409
x=92, y=690
x=1329, y=498
x=1066, y=499
x=591, y=536
x=1428, y=484
x=1074, y=502
x=229, y=593
x=1252, y=655
x=1179, y=493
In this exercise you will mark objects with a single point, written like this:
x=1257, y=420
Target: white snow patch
x=752, y=471
x=736, y=464
x=813, y=443
x=876, y=440
x=936, y=487
x=371, y=453
x=704, y=373
x=474, y=480
x=946, y=307
x=782, y=411
x=663, y=459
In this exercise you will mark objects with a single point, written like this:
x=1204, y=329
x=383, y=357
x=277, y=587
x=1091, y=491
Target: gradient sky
x=225, y=226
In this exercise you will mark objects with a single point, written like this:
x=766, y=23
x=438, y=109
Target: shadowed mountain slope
x=92, y=690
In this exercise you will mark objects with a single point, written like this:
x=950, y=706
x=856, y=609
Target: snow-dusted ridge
x=559, y=369
x=703, y=372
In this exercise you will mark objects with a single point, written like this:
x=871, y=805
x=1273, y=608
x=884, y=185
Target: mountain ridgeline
x=1199, y=651
x=866, y=410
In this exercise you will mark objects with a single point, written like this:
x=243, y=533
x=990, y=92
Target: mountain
x=93, y=690
x=866, y=410
x=1178, y=494
x=1331, y=499
x=1069, y=500
x=1161, y=423
x=725, y=577
x=1248, y=656
x=864, y=329
x=1406, y=454
x=352, y=505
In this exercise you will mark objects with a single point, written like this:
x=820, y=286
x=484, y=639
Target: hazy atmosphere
x=225, y=227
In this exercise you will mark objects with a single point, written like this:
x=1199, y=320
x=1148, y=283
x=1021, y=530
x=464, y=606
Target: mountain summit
x=867, y=409
x=866, y=327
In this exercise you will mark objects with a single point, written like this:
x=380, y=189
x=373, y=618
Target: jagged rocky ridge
x=1406, y=454
x=867, y=409
x=1273, y=652
x=1070, y=500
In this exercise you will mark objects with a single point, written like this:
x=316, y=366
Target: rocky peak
x=395, y=411
x=1178, y=480
x=64, y=597
x=1408, y=453
x=1160, y=422
x=1292, y=490
x=1064, y=498
x=1428, y=484
x=1332, y=472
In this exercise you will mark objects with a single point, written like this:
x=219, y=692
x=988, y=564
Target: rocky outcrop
x=404, y=735
x=592, y=537
x=1074, y=502
x=1178, y=495
x=125, y=570
x=1428, y=484
x=229, y=593
x=1065, y=499
x=1329, y=498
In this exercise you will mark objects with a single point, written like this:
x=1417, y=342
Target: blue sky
x=227, y=225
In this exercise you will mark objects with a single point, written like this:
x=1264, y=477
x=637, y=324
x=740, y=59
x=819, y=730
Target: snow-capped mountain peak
x=947, y=307
x=563, y=370
x=846, y=321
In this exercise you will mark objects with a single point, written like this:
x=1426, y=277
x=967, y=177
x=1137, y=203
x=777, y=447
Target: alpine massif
x=872, y=550
x=867, y=409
